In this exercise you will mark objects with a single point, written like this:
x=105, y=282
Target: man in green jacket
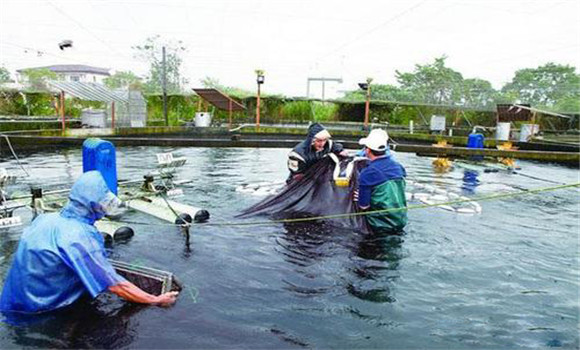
x=382, y=185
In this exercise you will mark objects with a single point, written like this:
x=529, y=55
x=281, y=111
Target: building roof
x=87, y=91
x=72, y=68
x=220, y=100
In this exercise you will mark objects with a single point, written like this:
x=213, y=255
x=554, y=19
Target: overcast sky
x=296, y=39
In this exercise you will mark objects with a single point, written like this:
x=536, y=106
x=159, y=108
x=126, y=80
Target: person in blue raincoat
x=61, y=256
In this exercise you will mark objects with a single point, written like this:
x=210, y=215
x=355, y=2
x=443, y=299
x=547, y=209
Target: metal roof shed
x=220, y=101
x=92, y=92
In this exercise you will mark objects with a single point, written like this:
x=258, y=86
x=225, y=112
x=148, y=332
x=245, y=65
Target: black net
x=316, y=194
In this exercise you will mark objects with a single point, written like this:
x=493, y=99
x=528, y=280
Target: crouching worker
x=305, y=154
x=61, y=256
x=382, y=186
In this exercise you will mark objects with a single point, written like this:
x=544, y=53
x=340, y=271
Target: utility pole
x=367, y=87
x=164, y=85
x=260, y=81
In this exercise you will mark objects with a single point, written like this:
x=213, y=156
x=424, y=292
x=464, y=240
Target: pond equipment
x=202, y=119
x=528, y=131
x=107, y=238
x=437, y=123
x=341, y=175
x=163, y=208
x=442, y=163
x=475, y=141
x=123, y=233
x=183, y=219
x=150, y=280
x=101, y=155
x=201, y=216
x=502, y=131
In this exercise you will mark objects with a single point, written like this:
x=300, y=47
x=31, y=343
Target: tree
x=546, y=86
x=36, y=78
x=213, y=83
x=4, y=75
x=432, y=83
x=152, y=52
x=122, y=79
x=478, y=93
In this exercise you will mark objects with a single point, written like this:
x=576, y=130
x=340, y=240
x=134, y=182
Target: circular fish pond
x=503, y=275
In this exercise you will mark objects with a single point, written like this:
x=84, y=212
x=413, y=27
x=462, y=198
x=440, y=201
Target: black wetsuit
x=303, y=155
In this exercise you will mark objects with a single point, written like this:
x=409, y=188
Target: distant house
x=71, y=72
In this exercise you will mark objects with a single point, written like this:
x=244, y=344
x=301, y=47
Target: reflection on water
x=470, y=181
x=105, y=322
x=372, y=263
x=377, y=268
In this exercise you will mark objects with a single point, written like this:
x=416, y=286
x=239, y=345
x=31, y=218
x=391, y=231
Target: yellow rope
x=420, y=206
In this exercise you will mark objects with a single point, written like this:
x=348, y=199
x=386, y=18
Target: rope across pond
x=346, y=215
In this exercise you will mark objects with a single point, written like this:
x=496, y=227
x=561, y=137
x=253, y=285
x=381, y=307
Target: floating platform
x=164, y=209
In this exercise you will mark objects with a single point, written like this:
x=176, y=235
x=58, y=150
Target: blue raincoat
x=61, y=256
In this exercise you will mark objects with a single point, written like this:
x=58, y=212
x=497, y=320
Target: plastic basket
x=150, y=280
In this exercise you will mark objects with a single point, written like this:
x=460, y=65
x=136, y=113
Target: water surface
x=505, y=279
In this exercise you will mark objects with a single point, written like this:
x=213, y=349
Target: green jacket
x=388, y=195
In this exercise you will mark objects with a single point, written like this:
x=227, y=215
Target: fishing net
x=326, y=189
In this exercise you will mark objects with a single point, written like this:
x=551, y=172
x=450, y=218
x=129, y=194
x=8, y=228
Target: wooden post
x=258, y=109
x=62, y=111
x=367, y=106
x=230, y=110
x=113, y=114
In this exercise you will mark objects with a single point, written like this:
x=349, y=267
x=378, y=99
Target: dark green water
x=505, y=279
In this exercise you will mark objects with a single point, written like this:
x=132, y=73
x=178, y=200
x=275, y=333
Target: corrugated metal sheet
x=219, y=99
x=87, y=91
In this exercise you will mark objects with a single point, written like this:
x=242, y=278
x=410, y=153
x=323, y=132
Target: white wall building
x=71, y=72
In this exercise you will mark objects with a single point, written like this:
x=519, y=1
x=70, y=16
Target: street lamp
x=367, y=87
x=260, y=81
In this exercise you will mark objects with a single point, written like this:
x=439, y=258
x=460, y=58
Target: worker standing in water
x=61, y=256
x=318, y=144
x=382, y=185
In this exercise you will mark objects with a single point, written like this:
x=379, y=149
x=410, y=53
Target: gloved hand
x=355, y=196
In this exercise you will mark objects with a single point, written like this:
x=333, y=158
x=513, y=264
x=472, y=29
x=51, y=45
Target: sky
x=292, y=40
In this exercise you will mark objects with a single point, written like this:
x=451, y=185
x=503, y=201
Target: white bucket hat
x=377, y=140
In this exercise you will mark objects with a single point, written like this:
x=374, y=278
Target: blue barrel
x=100, y=155
x=475, y=141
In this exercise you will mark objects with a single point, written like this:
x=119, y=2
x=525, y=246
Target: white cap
x=377, y=140
x=322, y=135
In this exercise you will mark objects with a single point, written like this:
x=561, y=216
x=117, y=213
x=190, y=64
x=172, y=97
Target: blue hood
x=87, y=198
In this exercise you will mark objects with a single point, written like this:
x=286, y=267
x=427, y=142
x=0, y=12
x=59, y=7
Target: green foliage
x=478, y=93
x=212, y=83
x=151, y=51
x=36, y=79
x=297, y=110
x=123, y=79
x=323, y=111
x=4, y=75
x=548, y=86
x=432, y=83
x=41, y=104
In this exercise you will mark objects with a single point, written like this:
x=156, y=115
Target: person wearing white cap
x=318, y=144
x=382, y=185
